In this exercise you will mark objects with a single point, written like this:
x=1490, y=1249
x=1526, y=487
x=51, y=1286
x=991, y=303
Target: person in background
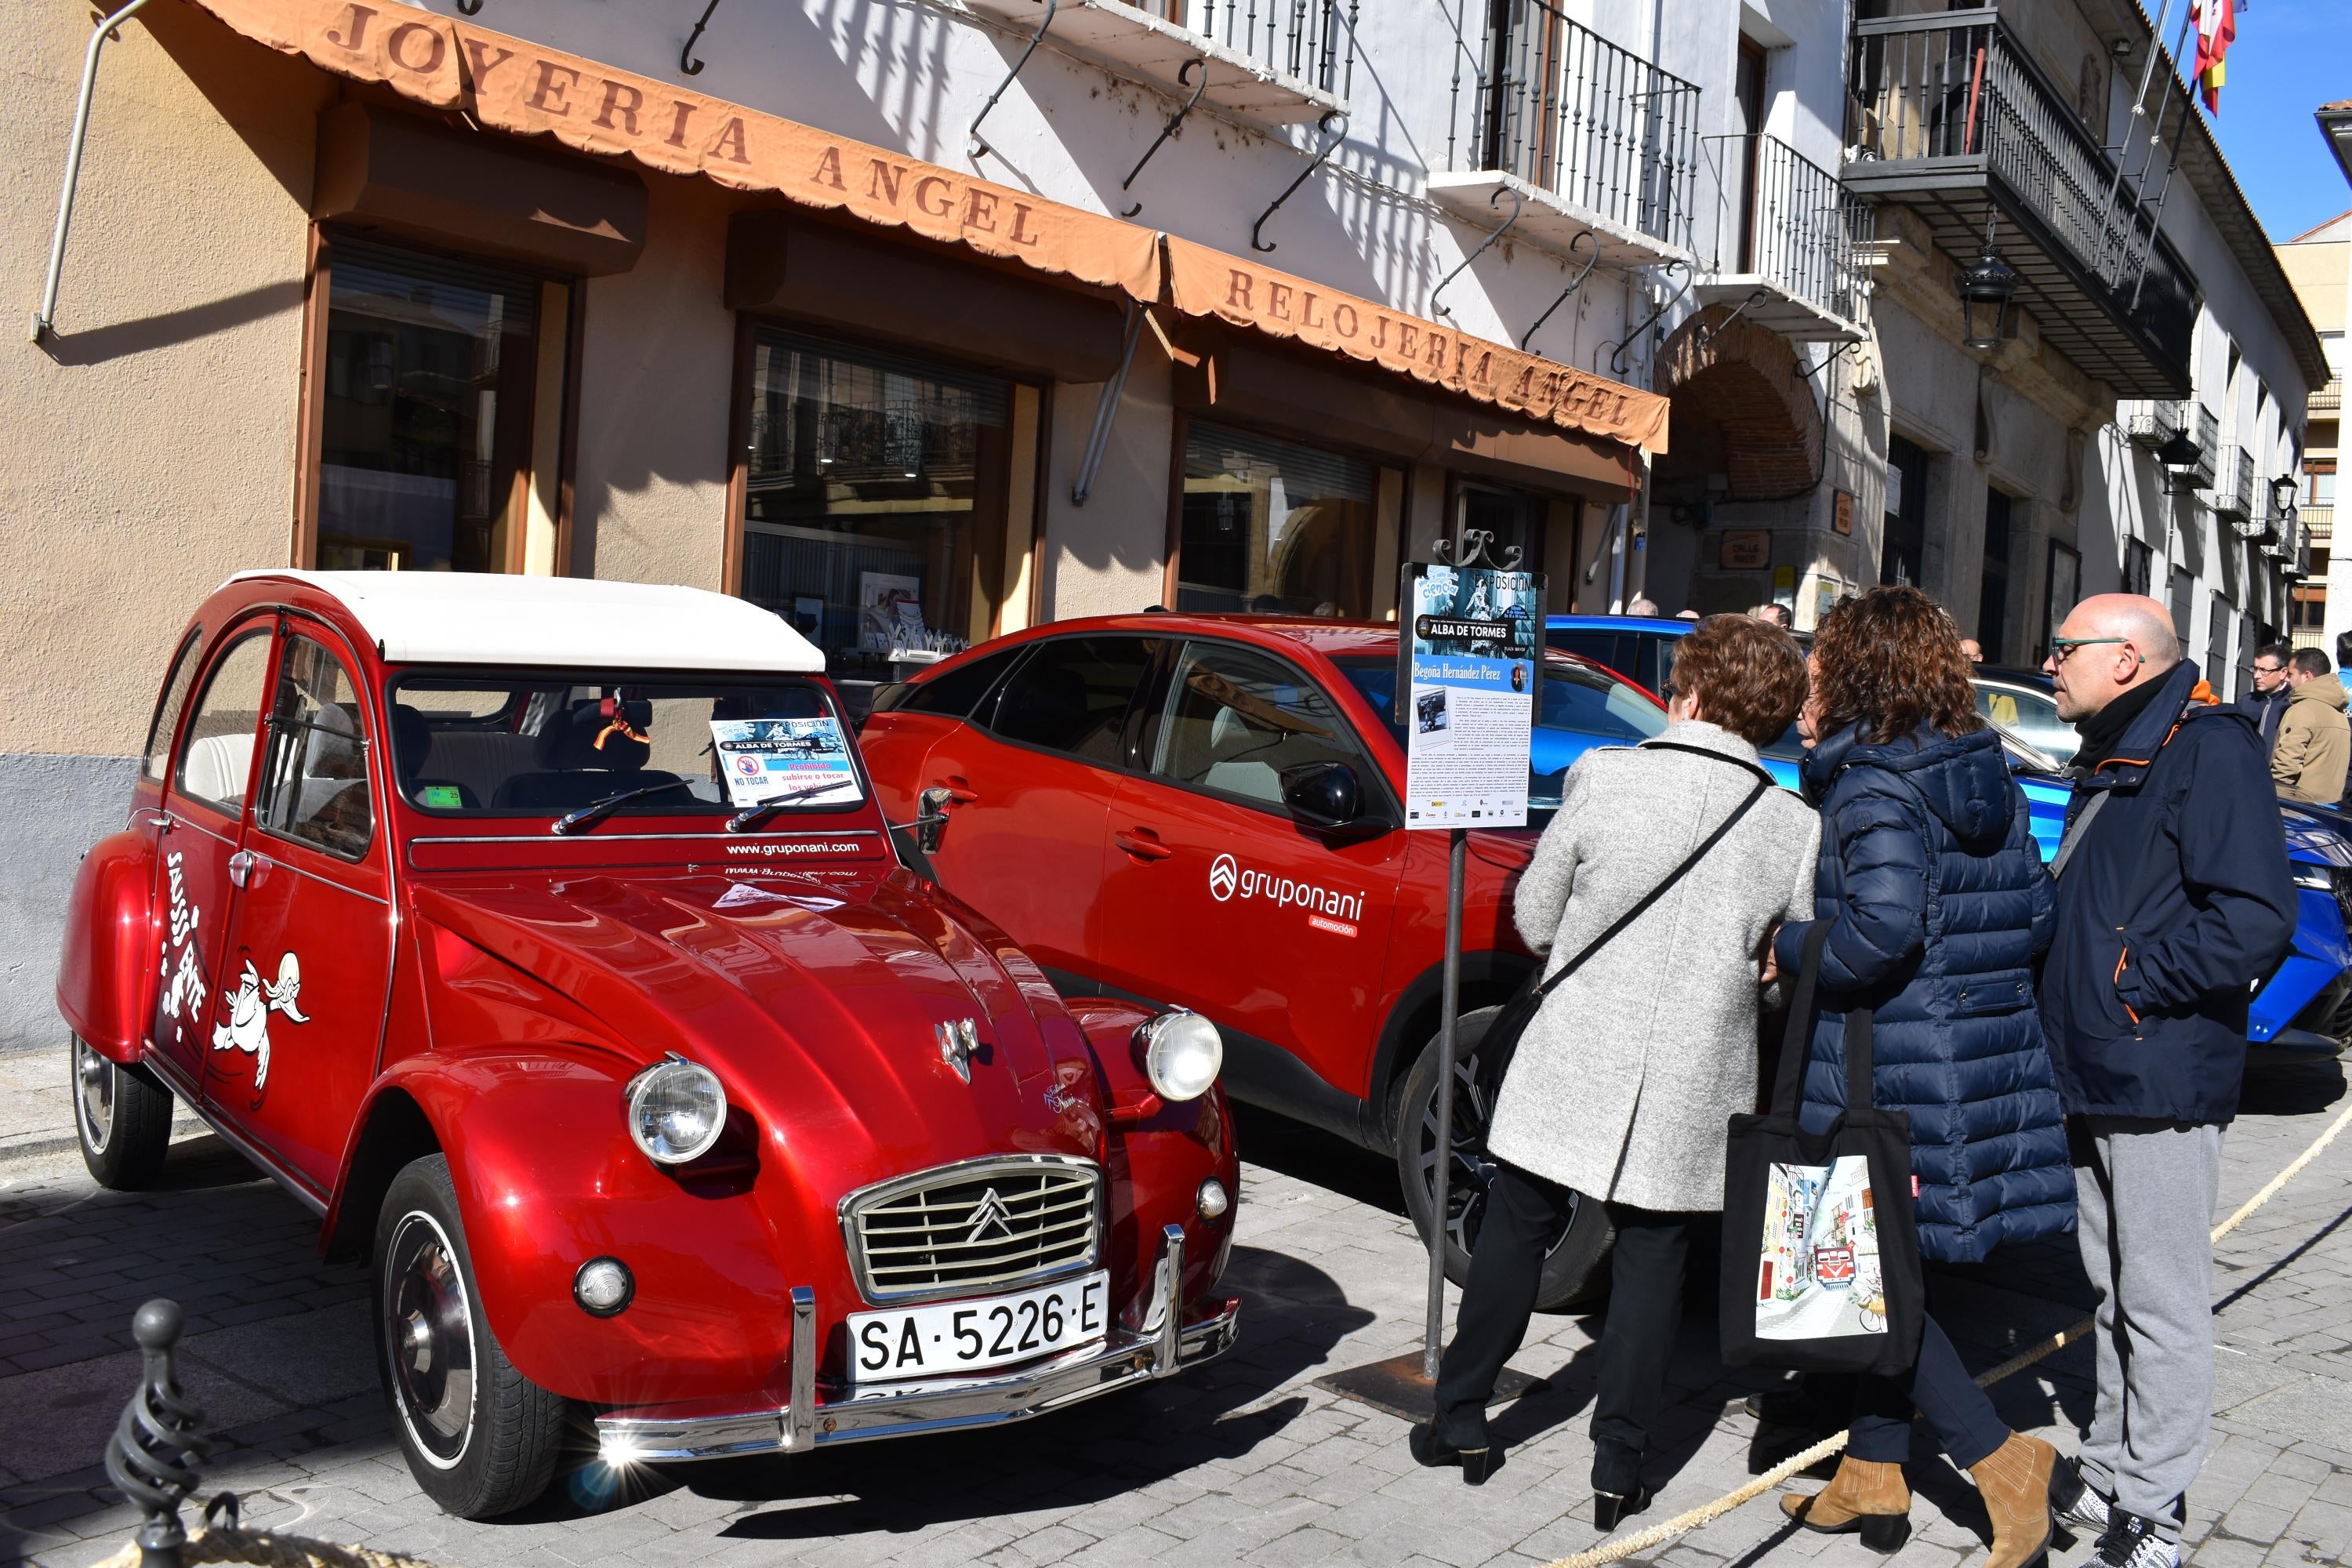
x=1643, y=604
x=2315, y=741
x=2267, y=701
x=2173, y=899
x=1973, y=649
x=1686, y=614
x=1623, y=1082
x=1939, y=905
x=1775, y=614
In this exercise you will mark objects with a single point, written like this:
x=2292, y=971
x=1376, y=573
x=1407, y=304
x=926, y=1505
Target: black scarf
x=2102, y=732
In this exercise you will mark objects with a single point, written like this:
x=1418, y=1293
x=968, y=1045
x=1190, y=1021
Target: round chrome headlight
x=677, y=1109
x=1181, y=1052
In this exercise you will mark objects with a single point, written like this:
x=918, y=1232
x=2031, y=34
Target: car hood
x=816, y=1002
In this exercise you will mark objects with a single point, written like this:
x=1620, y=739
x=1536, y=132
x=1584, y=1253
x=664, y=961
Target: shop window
x=1905, y=543
x=1273, y=528
x=874, y=501
x=439, y=423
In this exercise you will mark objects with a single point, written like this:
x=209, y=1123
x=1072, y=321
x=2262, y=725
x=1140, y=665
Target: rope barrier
x=1708, y=1513
x=258, y=1546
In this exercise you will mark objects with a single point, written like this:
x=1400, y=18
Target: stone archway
x=1740, y=409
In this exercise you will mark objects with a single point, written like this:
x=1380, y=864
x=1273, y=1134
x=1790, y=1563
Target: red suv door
x=1217, y=899
x=307, y=968
x=1030, y=778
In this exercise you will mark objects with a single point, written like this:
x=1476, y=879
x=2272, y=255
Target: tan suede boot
x=2014, y=1481
x=1866, y=1496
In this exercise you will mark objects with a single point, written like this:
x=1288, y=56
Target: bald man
x=2173, y=900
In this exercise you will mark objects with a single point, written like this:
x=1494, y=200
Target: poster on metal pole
x=1469, y=668
x=1468, y=665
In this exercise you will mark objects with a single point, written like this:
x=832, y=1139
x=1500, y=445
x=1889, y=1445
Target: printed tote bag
x=1821, y=1241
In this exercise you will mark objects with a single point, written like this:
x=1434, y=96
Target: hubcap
x=1472, y=1176
x=94, y=1093
x=429, y=1337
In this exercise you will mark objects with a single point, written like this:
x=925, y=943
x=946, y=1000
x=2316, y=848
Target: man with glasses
x=2267, y=701
x=2173, y=899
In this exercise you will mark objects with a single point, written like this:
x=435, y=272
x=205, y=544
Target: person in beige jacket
x=1623, y=1080
x=2314, y=740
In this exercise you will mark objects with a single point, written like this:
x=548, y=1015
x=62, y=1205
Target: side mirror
x=931, y=819
x=1323, y=795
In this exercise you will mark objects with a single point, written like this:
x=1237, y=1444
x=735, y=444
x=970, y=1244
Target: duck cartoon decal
x=249, y=1007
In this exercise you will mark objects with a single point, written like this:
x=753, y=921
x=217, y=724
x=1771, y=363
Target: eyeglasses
x=2270, y=669
x=2062, y=649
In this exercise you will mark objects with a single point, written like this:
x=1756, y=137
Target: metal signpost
x=1469, y=671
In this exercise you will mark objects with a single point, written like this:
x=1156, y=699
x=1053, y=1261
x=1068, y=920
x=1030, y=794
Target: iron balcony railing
x=2330, y=396
x=1783, y=217
x=1952, y=88
x=1540, y=97
x=2209, y=447
x=2151, y=422
x=2233, y=486
x=1306, y=39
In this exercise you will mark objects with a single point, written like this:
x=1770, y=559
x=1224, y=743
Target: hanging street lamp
x=1987, y=287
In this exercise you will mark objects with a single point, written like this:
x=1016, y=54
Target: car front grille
x=981, y=1225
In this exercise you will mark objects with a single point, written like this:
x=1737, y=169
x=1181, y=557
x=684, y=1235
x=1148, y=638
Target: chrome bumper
x=1165, y=1345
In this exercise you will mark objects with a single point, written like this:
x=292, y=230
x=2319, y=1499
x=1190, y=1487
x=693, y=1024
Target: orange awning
x=511, y=84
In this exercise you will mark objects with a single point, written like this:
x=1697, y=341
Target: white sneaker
x=2131, y=1541
x=2074, y=1503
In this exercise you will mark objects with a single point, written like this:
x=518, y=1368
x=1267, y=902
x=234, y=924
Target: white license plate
x=950, y=1338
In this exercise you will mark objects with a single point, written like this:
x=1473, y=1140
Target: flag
x=2217, y=27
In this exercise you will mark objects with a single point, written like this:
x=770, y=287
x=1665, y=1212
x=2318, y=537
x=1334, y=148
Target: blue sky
x=2291, y=56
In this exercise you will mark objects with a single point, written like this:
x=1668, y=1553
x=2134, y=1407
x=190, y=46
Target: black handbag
x=1500, y=1043
x=1820, y=1234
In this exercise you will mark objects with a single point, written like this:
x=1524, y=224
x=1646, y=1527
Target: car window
x=2030, y=715
x=1600, y=647
x=314, y=785
x=954, y=693
x=1235, y=719
x=1588, y=702
x=713, y=745
x=1071, y=695
x=168, y=708
x=216, y=758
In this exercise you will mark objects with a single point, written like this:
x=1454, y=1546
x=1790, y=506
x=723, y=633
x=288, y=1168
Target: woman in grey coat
x=1623, y=1081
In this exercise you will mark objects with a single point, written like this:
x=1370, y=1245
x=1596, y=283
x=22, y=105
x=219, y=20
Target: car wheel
x=1574, y=1270
x=481, y=1439
x=124, y=1120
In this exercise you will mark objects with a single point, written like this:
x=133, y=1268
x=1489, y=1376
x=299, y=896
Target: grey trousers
x=2147, y=1192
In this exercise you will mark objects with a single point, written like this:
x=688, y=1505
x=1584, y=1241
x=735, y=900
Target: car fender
x=547, y=1179
x=1156, y=1154
x=110, y=945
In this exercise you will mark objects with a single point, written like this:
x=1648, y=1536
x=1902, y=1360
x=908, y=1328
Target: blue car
x=2303, y=1008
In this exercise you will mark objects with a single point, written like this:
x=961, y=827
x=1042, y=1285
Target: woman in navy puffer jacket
x=1940, y=904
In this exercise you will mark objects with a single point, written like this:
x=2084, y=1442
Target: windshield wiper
x=597, y=811
x=753, y=817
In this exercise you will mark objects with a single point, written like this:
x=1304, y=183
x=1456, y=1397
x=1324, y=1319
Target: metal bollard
x=152, y=1454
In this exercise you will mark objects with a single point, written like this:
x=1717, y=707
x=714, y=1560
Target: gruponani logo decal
x=1327, y=907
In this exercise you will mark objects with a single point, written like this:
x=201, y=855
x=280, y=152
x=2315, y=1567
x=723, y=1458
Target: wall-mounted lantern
x=1987, y=288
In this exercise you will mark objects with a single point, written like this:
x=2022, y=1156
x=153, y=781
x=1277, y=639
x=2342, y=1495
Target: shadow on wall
x=168, y=329
x=76, y=801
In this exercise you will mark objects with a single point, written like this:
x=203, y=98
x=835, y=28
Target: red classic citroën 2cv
x=545, y=937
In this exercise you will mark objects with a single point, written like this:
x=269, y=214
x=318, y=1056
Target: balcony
x=2233, y=486
x=1788, y=242
x=1588, y=137
x=2328, y=399
x=2152, y=422
x=1276, y=62
x=1950, y=117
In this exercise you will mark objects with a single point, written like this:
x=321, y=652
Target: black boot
x=1429, y=1449
x=1617, y=1488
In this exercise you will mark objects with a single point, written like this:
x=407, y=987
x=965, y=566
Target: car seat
x=1238, y=758
x=412, y=748
x=584, y=757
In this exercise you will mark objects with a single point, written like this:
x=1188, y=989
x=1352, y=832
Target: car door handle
x=245, y=867
x=1143, y=848
x=958, y=791
x=162, y=821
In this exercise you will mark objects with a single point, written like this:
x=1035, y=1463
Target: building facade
x=2320, y=263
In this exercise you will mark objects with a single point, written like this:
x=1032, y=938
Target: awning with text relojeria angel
x=513, y=85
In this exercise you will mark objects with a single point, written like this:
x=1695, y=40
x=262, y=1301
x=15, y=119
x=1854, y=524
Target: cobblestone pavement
x=1245, y=1461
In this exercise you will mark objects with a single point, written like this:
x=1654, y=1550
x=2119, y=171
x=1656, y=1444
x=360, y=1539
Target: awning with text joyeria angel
x=513, y=85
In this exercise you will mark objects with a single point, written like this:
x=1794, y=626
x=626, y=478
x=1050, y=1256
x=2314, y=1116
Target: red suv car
x=1204, y=811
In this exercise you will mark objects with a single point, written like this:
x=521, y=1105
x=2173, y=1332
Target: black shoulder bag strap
x=1764, y=782
x=1796, y=1043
